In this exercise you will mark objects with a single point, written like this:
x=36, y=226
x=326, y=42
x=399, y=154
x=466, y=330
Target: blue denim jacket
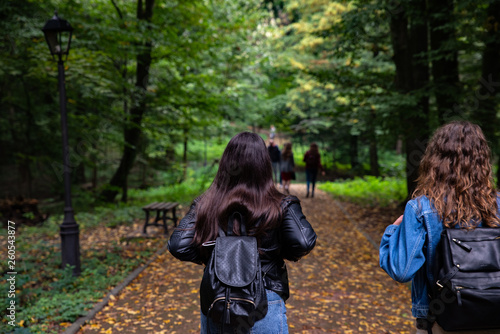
x=404, y=250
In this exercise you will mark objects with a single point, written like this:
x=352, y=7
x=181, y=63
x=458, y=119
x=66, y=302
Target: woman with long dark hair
x=455, y=189
x=244, y=184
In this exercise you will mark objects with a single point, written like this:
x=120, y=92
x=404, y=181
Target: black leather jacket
x=294, y=239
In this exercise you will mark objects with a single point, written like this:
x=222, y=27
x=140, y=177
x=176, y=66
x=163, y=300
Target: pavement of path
x=338, y=288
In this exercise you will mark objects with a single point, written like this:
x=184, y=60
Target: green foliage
x=392, y=165
x=205, y=72
x=205, y=150
x=197, y=182
x=50, y=295
x=368, y=191
x=316, y=69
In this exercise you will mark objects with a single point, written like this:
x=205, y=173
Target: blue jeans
x=276, y=172
x=273, y=323
x=311, y=175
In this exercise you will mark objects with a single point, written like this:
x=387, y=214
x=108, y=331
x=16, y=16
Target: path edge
x=77, y=325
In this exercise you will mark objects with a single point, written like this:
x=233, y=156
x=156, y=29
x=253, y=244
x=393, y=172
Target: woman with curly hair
x=455, y=189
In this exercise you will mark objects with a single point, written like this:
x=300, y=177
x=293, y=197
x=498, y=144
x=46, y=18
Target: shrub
x=368, y=191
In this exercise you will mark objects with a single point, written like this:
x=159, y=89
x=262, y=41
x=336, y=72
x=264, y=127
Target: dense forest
x=146, y=80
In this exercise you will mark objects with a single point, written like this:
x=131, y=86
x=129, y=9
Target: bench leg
x=157, y=219
x=174, y=217
x=146, y=223
x=165, y=227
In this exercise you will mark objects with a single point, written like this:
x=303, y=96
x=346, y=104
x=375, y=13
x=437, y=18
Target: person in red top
x=312, y=158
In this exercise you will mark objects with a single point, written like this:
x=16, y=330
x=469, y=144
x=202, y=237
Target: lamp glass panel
x=52, y=40
x=65, y=39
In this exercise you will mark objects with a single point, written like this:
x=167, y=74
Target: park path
x=338, y=288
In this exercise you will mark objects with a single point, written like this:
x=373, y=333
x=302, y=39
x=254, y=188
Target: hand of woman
x=398, y=221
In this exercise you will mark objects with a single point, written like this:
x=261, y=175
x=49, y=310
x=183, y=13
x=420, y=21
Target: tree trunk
x=79, y=170
x=144, y=175
x=124, y=191
x=94, y=176
x=354, y=152
x=402, y=56
x=184, y=156
x=132, y=131
x=411, y=75
x=418, y=131
x=27, y=134
x=486, y=111
x=374, y=168
x=404, y=80
x=445, y=57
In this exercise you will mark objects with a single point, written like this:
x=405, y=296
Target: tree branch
x=117, y=9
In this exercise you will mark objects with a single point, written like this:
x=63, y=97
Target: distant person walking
x=287, y=166
x=312, y=158
x=272, y=133
x=275, y=155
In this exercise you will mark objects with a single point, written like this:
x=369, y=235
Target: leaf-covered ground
x=338, y=288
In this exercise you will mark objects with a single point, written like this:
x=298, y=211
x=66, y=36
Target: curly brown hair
x=456, y=176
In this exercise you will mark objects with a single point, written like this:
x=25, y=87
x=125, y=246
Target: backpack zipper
x=458, y=288
x=463, y=245
x=242, y=300
x=234, y=298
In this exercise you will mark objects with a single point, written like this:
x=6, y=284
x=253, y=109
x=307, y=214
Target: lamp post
x=58, y=36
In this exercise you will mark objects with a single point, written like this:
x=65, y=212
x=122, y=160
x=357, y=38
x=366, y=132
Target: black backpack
x=232, y=289
x=466, y=294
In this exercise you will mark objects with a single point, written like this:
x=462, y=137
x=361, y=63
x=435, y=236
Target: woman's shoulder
x=289, y=199
x=419, y=200
x=421, y=205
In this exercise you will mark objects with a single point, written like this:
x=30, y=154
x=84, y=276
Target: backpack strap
x=433, y=288
x=444, y=281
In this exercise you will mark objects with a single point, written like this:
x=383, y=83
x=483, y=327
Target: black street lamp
x=58, y=36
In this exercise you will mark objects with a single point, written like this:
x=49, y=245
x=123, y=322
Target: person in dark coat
x=312, y=158
x=275, y=155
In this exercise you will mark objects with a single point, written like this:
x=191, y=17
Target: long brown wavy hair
x=243, y=183
x=287, y=151
x=456, y=176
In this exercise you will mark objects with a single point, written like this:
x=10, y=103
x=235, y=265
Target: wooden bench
x=161, y=208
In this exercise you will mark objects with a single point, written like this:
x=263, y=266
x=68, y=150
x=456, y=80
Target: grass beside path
x=338, y=288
